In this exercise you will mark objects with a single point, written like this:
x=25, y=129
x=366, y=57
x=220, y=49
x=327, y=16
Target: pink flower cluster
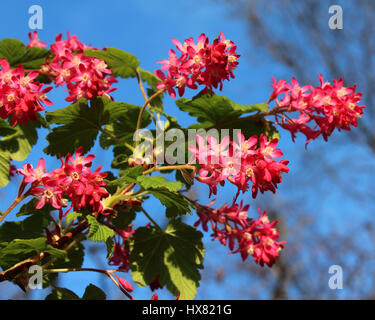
x=239, y=162
x=231, y=225
x=328, y=106
x=73, y=181
x=85, y=77
x=201, y=63
x=20, y=95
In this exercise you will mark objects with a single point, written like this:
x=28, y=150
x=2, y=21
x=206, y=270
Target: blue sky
x=144, y=28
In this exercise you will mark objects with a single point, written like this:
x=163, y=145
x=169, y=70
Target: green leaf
x=62, y=294
x=128, y=175
x=216, y=109
x=20, y=141
x=4, y=168
x=72, y=216
x=158, y=182
x=32, y=227
x=80, y=126
x=29, y=209
x=124, y=217
x=175, y=203
x=73, y=259
x=5, y=128
x=93, y=293
x=122, y=64
x=219, y=112
x=97, y=231
x=150, y=78
x=17, y=249
x=175, y=255
x=110, y=245
x=15, y=52
x=12, y=50
x=122, y=119
x=33, y=58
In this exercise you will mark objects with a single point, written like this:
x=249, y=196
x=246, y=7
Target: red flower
x=20, y=95
x=321, y=109
x=83, y=187
x=34, y=41
x=85, y=77
x=232, y=227
x=239, y=163
x=199, y=64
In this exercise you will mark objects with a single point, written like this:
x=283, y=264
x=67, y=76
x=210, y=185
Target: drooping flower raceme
x=240, y=163
x=198, y=64
x=21, y=97
x=74, y=181
x=232, y=227
x=85, y=77
x=120, y=256
x=328, y=106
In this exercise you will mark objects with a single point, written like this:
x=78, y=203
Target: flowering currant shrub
x=63, y=207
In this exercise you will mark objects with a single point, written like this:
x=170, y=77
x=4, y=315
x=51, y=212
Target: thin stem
x=67, y=248
x=176, y=167
x=63, y=270
x=152, y=220
x=141, y=194
x=139, y=121
x=144, y=94
x=108, y=273
x=127, y=188
x=11, y=207
x=116, y=139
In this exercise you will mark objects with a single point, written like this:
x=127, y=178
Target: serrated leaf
x=93, y=293
x=33, y=58
x=62, y=294
x=150, y=78
x=19, y=248
x=174, y=202
x=97, y=231
x=73, y=259
x=72, y=216
x=124, y=217
x=128, y=175
x=19, y=142
x=158, y=182
x=80, y=126
x=32, y=227
x=219, y=112
x=122, y=64
x=15, y=52
x=12, y=50
x=216, y=108
x=122, y=123
x=175, y=255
